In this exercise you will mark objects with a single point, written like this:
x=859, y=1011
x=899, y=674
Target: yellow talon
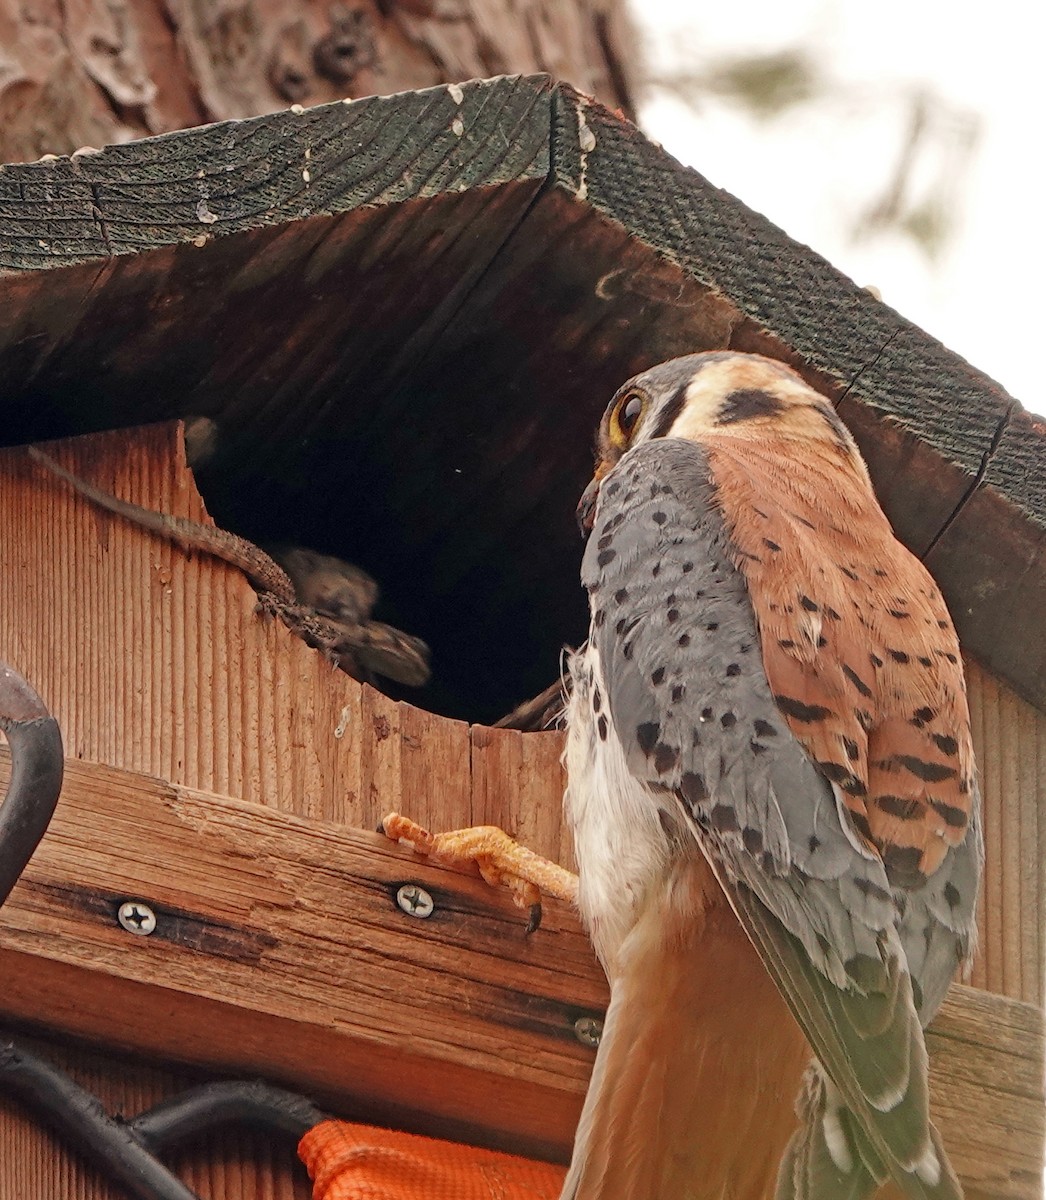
x=501, y=861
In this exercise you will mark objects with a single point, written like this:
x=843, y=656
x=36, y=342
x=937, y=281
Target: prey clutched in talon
x=502, y=861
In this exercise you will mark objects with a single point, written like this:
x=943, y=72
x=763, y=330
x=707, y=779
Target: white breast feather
x=620, y=844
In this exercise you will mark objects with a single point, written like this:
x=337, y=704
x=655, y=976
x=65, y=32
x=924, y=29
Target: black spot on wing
x=852, y=784
x=724, y=819
x=753, y=840
x=860, y=822
x=928, y=772
x=870, y=888
x=857, y=681
x=902, y=866
x=647, y=735
x=955, y=817
x=665, y=758
x=692, y=788
x=800, y=711
x=907, y=808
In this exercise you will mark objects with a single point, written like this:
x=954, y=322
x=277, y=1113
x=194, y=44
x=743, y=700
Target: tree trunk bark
x=93, y=72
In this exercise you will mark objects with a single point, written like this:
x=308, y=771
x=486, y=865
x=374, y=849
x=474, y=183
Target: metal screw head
x=588, y=1031
x=414, y=900
x=136, y=917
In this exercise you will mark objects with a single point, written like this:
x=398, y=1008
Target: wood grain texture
x=279, y=950
x=235, y=176
x=1010, y=743
x=304, y=333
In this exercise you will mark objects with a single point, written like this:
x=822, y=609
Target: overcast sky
x=815, y=168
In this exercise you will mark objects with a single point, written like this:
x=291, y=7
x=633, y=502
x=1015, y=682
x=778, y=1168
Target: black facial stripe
x=745, y=403
x=669, y=411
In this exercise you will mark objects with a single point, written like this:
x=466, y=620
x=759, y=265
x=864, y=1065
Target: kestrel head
x=722, y=393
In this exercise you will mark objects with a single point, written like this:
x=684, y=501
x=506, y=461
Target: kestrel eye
x=629, y=413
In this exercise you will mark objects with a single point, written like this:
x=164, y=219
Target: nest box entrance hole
x=414, y=389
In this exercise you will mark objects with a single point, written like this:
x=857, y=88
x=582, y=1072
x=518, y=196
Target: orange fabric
x=360, y=1162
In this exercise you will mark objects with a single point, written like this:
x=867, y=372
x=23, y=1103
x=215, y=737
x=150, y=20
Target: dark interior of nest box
x=414, y=388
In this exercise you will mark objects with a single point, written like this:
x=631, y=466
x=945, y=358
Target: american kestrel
x=771, y=695
x=767, y=736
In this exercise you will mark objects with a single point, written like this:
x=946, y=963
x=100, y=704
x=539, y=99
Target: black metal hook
x=125, y=1150
x=36, y=775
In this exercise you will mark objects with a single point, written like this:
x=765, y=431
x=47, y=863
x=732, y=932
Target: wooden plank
x=1003, y=1161
x=158, y=663
x=235, y=176
x=279, y=949
x=1010, y=742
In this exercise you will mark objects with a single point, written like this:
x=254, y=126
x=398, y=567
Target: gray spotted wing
x=679, y=654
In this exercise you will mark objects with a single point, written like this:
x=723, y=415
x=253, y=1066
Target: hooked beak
x=586, y=508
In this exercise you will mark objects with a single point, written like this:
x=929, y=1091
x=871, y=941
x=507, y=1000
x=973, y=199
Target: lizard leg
x=501, y=860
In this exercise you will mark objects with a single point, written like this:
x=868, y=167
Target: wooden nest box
x=405, y=315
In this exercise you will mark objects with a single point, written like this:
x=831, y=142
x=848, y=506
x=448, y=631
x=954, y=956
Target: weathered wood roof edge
x=299, y=163
x=958, y=462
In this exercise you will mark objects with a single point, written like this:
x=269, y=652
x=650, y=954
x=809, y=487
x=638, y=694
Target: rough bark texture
x=94, y=72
